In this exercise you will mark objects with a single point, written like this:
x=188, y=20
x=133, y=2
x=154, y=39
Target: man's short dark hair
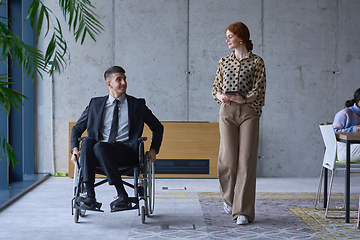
x=113, y=69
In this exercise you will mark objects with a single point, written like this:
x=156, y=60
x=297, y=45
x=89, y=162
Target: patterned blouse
x=247, y=75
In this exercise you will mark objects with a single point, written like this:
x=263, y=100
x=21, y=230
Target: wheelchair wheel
x=82, y=213
x=76, y=215
x=143, y=214
x=76, y=178
x=77, y=212
x=75, y=185
x=151, y=187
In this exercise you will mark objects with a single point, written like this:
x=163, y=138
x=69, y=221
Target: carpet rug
x=278, y=216
x=282, y=216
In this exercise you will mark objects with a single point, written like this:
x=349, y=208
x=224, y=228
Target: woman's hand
x=358, y=128
x=222, y=97
x=225, y=98
x=236, y=98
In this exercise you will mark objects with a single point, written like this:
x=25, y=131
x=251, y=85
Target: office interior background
x=170, y=50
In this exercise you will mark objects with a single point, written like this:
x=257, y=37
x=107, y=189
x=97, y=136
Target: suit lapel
x=130, y=101
x=100, y=108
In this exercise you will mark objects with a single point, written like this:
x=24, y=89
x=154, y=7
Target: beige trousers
x=238, y=152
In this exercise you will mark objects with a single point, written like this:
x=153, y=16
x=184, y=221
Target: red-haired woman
x=239, y=88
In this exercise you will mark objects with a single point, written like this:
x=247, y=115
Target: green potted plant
x=81, y=20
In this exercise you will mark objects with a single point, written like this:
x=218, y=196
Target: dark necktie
x=114, y=123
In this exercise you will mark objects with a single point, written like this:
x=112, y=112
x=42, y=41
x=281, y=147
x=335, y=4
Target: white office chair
x=330, y=161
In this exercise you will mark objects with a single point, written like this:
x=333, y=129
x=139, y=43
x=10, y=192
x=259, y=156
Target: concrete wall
x=170, y=51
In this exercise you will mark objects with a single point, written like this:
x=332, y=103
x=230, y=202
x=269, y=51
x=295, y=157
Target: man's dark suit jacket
x=139, y=113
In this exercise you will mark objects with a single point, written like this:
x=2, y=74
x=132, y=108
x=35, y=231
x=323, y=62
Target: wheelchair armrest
x=142, y=139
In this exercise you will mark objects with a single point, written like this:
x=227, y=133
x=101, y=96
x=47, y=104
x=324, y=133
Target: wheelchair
x=144, y=186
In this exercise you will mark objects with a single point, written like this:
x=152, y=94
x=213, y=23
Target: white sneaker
x=242, y=220
x=227, y=208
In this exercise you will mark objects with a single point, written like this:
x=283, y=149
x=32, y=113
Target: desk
x=348, y=138
x=182, y=140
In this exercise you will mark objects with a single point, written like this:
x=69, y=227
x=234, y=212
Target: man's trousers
x=110, y=156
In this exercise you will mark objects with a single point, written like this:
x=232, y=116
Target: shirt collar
x=248, y=55
x=121, y=98
x=356, y=109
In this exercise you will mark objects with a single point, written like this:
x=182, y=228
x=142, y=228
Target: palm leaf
x=81, y=18
x=8, y=150
x=8, y=98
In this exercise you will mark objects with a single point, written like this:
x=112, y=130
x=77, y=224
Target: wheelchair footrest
x=134, y=205
x=79, y=204
x=88, y=209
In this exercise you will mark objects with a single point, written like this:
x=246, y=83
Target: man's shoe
x=120, y=203
x=242, y=220
x=227, y=208
x=88, y=202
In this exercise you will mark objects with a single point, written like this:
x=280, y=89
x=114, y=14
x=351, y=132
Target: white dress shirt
x=123, y=123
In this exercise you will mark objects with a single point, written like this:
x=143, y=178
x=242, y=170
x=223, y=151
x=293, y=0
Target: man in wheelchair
x=113, y=123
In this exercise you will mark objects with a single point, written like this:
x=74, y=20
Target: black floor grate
x=182, y=166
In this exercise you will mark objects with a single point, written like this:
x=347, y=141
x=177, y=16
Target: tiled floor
x=184, y=209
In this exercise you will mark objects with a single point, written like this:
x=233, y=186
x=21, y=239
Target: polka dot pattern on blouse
x=247, y=75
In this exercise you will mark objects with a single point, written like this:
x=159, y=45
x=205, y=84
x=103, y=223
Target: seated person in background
x=348, y=120
x=112, y=142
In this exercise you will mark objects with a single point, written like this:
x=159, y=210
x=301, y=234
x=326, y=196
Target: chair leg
x=344, y=197
x=358, y=222
x=318, y=194
x=328, y=201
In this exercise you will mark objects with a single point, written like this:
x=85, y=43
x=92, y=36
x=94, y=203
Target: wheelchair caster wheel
x=76, y=215
x=143, y=214
x=82, y=212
